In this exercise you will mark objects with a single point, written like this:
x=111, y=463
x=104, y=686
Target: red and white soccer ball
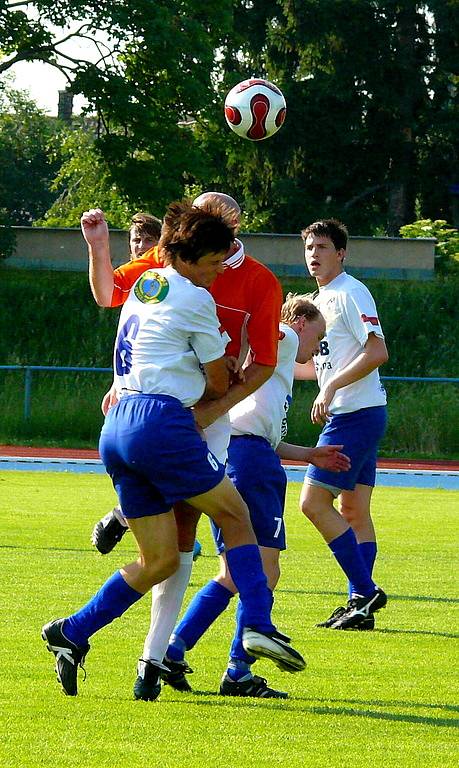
x=255, y=109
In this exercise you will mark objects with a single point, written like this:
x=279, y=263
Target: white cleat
x=274, y=646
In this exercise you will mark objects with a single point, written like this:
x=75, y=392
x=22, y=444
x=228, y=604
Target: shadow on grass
x=342, y=596
x=338, y=710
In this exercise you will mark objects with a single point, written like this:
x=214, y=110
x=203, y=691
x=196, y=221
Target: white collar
x=236, y=259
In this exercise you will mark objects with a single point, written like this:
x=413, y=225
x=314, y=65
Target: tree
x=371, y=133
x=26, y=172
x=83, y=181
x=161, y=72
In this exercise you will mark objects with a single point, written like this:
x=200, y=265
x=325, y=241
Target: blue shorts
x=359, y=432
x=255, y=469
x=154, y=454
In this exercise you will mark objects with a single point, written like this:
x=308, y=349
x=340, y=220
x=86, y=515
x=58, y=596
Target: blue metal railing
x=29, y=369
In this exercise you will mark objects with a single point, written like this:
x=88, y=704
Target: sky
x=43, y=82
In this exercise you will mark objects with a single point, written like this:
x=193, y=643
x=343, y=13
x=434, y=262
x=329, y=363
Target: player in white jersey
x=351, y=405
x=169, y=354
x=258, y=425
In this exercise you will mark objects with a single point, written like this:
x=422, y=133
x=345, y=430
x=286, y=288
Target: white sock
x=166, y=601
x=117, y=511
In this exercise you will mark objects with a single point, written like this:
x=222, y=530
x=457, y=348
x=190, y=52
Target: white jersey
x=168, y=327
x=264, y=412
x=350, y=314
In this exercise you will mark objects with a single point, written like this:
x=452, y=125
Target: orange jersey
x=126, y=275
x=248, y=298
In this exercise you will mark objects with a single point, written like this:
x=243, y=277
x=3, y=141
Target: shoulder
x=149, y=260
x=259, y=273
x=288, y=341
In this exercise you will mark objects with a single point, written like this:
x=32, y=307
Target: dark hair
x=191, y=232
x=146, y=224
x=332, y=228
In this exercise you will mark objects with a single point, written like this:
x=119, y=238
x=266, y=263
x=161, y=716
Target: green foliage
x=386, y=697
x=83, y=181
x=447, y=246
x=372, y=123
x=26, y=170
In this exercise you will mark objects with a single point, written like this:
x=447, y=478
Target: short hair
x=332, y=228
x=298, y=305
x=217, y=199
x=192, y=232
x=146, y=224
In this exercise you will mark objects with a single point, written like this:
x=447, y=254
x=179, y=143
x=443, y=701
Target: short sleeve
x=205, y=337
x=361, y=315
x=125, y=276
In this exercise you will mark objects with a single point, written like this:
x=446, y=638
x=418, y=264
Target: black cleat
x=147, y=686
x=359, y=610
x=68, y=655
x=367, y=624
x=256, y=687
x=274, y=646
x=334, y=616
x=175, y=676
x=108, y=532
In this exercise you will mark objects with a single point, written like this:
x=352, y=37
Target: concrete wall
x=397, y=258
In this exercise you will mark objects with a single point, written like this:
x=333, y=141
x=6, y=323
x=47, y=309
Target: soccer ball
x=255, y=109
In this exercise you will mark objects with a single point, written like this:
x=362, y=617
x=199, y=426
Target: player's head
x=325, y=243
x=144, y=233
x=302, y=315
x=196, y=240
x=210, y=199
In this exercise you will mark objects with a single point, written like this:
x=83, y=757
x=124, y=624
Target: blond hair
x=298, y=305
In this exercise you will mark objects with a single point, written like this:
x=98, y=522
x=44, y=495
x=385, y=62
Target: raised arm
x=95, y=232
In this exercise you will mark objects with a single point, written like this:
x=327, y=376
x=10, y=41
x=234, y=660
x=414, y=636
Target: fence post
x=27, y=393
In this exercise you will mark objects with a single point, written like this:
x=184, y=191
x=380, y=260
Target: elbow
x=102, y=300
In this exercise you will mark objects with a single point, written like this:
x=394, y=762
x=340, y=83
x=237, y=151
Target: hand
x=235, y=370
x=94, y=227
x=319, y=411
x=329, y=457
x=109, y=400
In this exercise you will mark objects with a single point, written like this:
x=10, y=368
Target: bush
x=447, y=247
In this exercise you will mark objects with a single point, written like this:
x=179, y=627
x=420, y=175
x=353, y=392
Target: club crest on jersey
x=151, y=288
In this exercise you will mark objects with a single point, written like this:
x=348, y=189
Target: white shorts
x=217, y=437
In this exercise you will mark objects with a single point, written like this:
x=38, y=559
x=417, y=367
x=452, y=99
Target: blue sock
x=111, y=601
x=347, y=552
x=368, y=550
x=246, y=570
x=238, y=670
x=237, y=652
x=205, y=607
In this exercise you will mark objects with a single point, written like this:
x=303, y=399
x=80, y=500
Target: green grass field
x=383, y=698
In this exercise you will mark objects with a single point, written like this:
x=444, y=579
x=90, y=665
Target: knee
x=309, y=510
x=233, y=515
x=348, y=513
x=186, y=537
x=160, y=567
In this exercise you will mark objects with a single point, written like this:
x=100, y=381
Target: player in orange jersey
x=248, y=298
